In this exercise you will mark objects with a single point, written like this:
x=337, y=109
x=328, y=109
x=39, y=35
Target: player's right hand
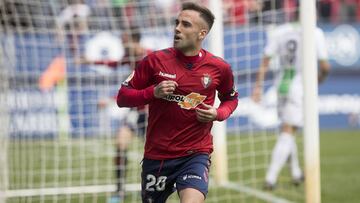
x=165, y=88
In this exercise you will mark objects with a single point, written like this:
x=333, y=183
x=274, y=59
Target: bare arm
x=324, y=70
x=257, y=92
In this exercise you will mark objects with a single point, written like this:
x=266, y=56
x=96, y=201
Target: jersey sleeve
x=321, y=49
x=141, y=77
x=227, y=94
x=271, y=47
x=226, y=89
x=137, y=89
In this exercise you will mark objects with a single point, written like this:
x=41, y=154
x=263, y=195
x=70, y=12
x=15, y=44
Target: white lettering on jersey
x=168, y=75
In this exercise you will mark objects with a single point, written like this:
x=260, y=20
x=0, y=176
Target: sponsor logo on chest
x=189, y=101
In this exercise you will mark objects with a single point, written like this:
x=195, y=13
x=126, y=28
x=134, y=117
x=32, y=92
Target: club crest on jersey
x=187, y=102
x=206, y=80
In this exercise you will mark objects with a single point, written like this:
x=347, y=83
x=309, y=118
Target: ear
x=202, y=34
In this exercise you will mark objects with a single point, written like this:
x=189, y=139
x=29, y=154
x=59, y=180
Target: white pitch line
x=257, y=193
x=69, y=190
x=131, y=188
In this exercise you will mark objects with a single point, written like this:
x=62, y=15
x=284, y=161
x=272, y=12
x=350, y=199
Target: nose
x=177, y=28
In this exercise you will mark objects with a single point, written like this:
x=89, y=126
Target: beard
x=183, y=45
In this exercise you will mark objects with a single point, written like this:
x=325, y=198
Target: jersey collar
x=190, y=59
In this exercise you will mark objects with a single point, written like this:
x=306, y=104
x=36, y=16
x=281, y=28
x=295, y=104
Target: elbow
x=325, y=66
x=120, y=99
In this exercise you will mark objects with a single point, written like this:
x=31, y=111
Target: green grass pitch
x=339, y=151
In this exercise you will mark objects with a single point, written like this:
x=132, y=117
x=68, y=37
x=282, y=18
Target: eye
x=176, y=22
x=186, y=24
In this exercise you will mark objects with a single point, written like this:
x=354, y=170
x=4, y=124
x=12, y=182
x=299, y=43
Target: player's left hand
x=206, y=114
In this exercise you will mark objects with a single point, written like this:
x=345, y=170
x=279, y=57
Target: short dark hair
x=133, y=32
x=205, y=13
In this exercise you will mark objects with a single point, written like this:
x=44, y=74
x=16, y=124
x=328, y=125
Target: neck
x=193, y=52
x=191, y=58
x=190, y=51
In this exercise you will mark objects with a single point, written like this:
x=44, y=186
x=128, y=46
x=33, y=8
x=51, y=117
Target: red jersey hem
x=155, y=157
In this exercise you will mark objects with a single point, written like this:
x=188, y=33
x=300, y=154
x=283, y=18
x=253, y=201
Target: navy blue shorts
x=161, y=178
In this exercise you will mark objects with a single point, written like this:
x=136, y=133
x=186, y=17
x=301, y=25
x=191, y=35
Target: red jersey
x=173, y=129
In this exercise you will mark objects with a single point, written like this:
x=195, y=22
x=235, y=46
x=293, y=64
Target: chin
x=177, y=46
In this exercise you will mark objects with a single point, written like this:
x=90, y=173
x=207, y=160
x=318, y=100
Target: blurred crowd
x=17, y=13
x=338, y=11
x=277, y=11
x=99, y=14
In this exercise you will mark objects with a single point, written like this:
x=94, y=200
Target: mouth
x=177, y=38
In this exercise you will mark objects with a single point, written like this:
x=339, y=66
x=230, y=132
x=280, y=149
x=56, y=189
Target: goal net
x=59, y=119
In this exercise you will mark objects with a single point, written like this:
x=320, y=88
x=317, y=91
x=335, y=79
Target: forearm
x=129, y=97
x=261, y=73
x=111, y=64
x=322, y=76
x=225, y=109
x=324, y=70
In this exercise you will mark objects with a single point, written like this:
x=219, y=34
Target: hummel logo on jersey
x=189, y=101
x=168, y=75
x=191, y=177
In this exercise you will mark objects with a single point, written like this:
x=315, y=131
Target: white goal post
x=311, y=112
x=216, y=46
